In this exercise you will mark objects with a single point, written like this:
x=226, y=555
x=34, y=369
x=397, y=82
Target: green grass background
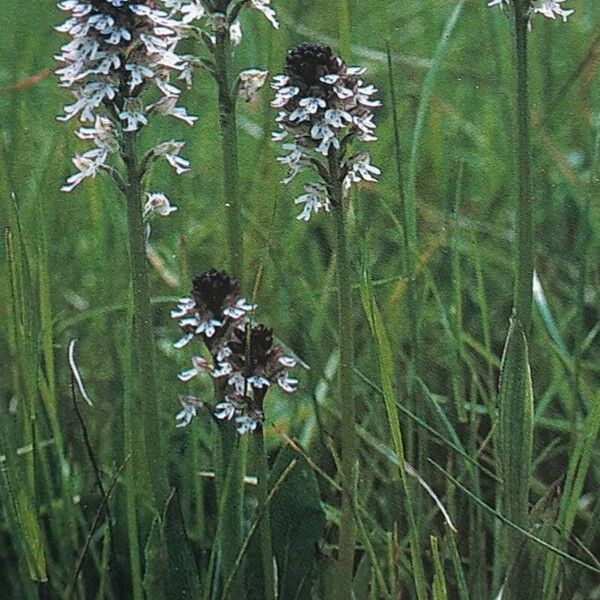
x=69, y=280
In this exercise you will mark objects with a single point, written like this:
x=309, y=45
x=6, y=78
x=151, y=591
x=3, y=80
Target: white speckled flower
x=360, y=169
x=170, y=152
x=324, y=107
x=547, y=8
x=249, y=82
x=551, y=9
x=189, y=409
x=245, y=363
x=223, y=15
x=157, y=204
x=264, y=6
x=118, y=66
x=315, y=199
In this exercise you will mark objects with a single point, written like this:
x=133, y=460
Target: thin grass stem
x=262, y=492
x=343, y=13
x=231, y=452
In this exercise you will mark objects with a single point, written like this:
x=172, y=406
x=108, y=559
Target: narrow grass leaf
x=577, y=471
x=386, y=372
x=155, y=572
x=26, y=524
x=460, y=579
x=422, y=111
x=438, y=587
x=524, y=533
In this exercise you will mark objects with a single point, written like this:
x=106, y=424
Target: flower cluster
x=221, y=15
x=324, y=105
x=244, y=360
x=548, y=8
x=217, y=23
x=118, y=65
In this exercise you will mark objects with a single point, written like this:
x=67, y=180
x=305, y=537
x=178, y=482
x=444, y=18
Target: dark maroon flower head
x=213, y=307
x=306, y=63
x=214, y=290
x=253, y=351
x=258, y=362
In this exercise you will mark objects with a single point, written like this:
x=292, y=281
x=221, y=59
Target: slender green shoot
x=143, y=393
x=229, y=150
x=524, y=215
x=262, y=489
x=346, y=401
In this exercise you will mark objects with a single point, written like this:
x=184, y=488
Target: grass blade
x=438, y=587
x=579, y=465
x=386, y=367
x=514, y=442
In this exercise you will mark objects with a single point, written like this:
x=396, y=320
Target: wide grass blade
x=514, y=439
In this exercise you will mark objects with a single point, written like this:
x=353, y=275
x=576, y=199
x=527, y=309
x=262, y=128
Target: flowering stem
x=262, y=491
x=230, y=469
x=142, y=398
x=347, y=539
x=514, y=437
x=524, y=261
x=229, y=147
x=231, y=494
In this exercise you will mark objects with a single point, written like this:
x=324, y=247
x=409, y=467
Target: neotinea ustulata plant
x=324, y=109
x=123, y=68
x=243, y=361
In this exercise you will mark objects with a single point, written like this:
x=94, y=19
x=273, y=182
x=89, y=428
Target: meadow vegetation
x=464, y=483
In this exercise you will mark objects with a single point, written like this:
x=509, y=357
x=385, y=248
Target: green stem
x=513, y=438
x=229, y=148
x=142, y=396
x=524, y=260
x=130, y=507
x=343, y=11
x=229, y=483
x=347, y=539
x=262, y=492
x=230, y=487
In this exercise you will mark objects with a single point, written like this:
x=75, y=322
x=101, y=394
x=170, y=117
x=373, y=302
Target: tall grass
x=504, y=432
